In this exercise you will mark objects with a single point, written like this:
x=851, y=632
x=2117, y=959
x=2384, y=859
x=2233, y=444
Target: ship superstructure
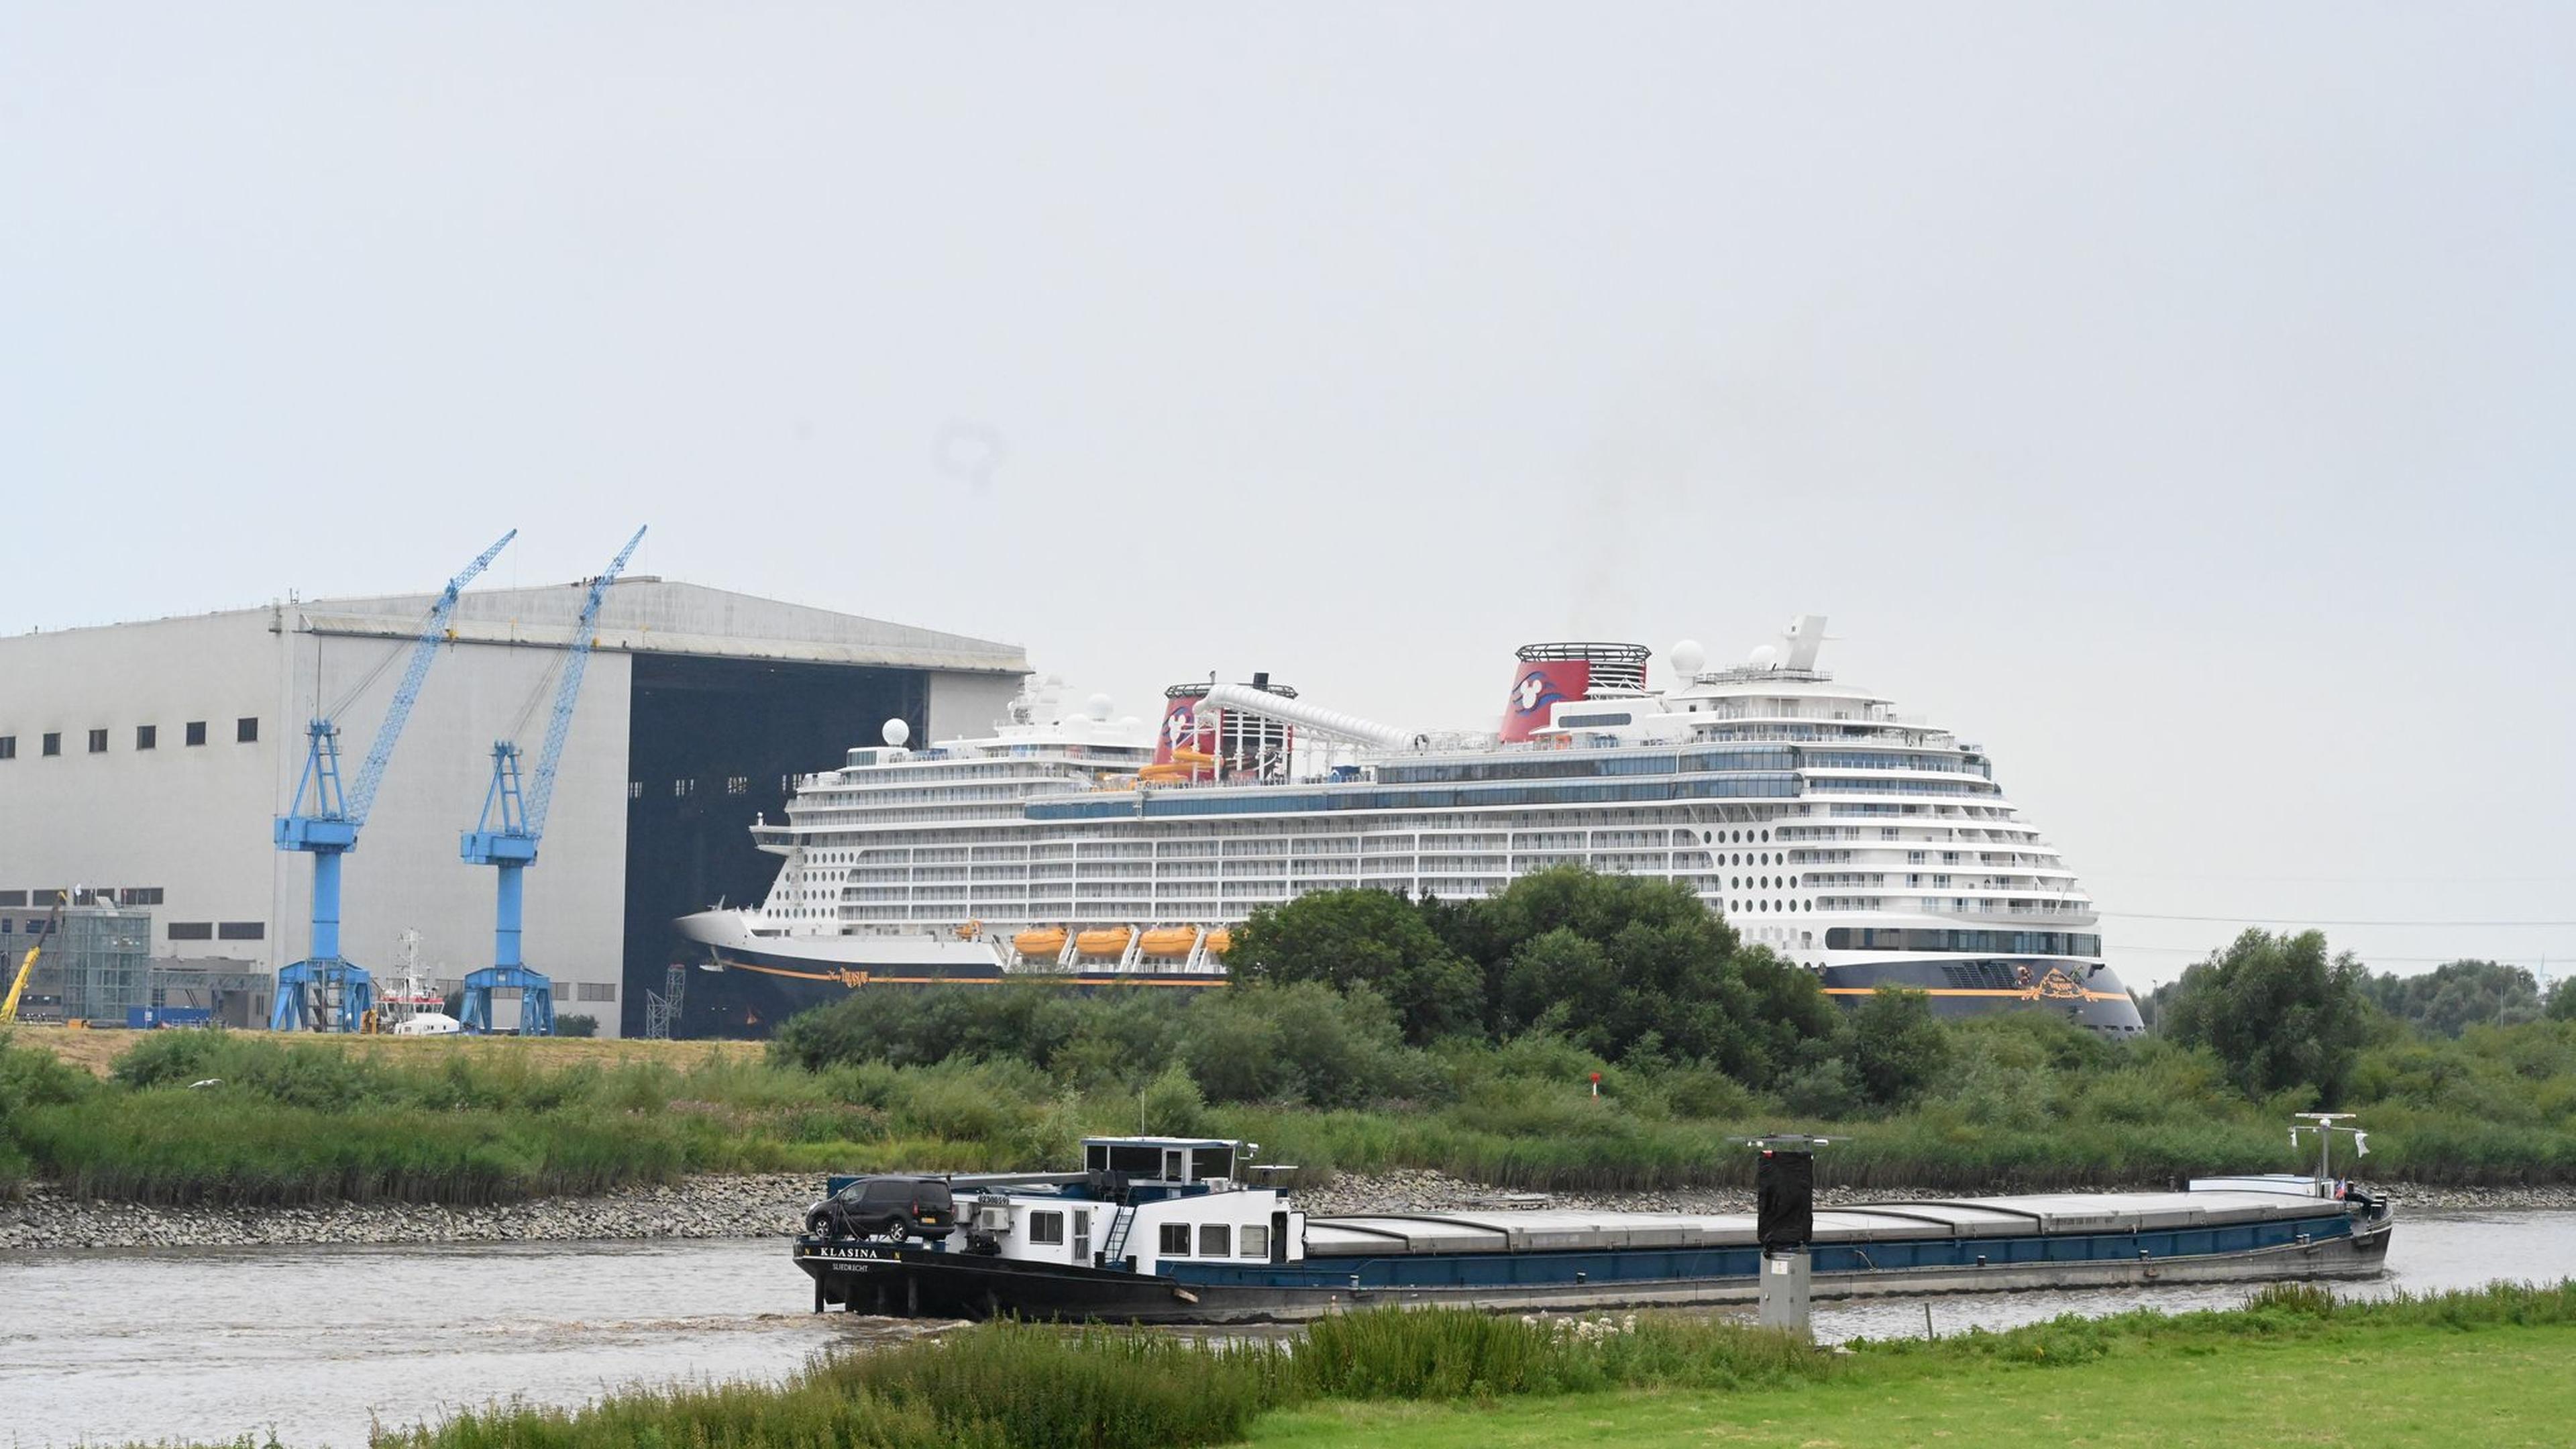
x=1870, y=847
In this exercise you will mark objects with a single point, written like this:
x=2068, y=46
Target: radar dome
x=1688, y=658
x=896, y=732
x=1763, y=656
x=1097, y=706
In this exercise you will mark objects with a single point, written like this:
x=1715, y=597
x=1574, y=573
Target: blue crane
x=514, y=819
x=323, y=992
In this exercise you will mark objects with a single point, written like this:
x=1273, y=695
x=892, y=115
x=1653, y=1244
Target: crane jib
x=323, y=991
x=514, y=819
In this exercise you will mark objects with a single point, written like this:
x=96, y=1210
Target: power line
x=2291, y=921
x=2335, y=879
x=2541, y=959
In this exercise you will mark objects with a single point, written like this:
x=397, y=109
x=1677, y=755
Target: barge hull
x=917, y=1282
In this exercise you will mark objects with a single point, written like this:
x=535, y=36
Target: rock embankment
x=772, y=1205
x=698, y=1207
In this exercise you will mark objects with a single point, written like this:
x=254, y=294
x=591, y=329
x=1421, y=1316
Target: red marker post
x=1596, y=1084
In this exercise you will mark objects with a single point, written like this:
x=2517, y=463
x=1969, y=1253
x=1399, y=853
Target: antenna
x=2325, y=1126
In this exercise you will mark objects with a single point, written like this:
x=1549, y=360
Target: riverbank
x=217, y=1137
x=773, y=1204
x=2293, y=1363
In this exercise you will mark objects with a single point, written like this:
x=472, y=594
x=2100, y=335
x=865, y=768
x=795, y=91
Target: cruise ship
x=1871, y=847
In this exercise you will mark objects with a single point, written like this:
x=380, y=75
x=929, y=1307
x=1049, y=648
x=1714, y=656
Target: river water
x=314, y=1343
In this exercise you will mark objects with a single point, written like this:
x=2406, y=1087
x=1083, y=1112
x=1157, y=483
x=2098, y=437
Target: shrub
x=1894, y=1046
x=1172, y=1106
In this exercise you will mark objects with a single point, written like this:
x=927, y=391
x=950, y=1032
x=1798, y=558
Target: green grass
x=2292, y=1366
x=2296, y=1366
x=2414, y=1387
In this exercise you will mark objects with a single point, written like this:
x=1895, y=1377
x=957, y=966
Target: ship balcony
x=2070, y=913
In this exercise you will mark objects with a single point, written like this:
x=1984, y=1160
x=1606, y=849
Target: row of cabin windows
x=146, y=737
x=1216, y=1240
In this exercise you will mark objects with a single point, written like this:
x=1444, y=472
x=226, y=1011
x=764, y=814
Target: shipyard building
x=141, y=765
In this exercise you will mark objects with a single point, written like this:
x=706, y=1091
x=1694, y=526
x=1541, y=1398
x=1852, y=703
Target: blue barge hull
x=1952, y=1248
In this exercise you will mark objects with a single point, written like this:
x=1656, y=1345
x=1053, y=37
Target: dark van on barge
x=1167, y=1230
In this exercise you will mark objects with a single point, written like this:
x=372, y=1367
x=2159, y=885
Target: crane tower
x=514, y=819
x=323, y=992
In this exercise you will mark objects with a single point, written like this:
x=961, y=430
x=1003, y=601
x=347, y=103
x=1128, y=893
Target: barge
x=1175, y=1231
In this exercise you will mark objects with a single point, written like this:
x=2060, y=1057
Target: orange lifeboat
x=1111, y=942
x=1220, y=941
x=1171, y=942
x=1047, y=942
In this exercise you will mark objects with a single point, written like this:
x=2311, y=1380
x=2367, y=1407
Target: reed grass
x=2025, y=1106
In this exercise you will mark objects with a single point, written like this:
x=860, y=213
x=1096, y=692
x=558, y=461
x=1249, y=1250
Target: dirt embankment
x=95, y=1051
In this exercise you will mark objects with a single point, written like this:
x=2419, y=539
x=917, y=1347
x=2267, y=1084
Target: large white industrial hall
x=141, y=765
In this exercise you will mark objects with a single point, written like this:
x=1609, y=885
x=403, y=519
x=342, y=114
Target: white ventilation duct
x=1331, y=723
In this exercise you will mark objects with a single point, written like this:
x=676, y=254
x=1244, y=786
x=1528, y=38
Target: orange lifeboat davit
x=1048, y=942
x=1111, y=942
x=1171, y=942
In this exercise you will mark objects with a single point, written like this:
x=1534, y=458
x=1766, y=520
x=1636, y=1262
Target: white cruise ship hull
x=734, y=941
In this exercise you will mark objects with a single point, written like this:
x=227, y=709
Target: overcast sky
x=2175, y=398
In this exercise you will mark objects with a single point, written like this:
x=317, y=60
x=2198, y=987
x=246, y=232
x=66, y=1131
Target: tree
x=2453, y=997
x=1370, y=938
x=2562, y=1001
x=576, y=1024
x=2277, y=1012
x=1613, y=961
x=1615, y=964
x=1894, y=1046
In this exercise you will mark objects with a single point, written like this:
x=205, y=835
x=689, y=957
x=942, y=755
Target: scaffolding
x=662, y=1008
x=97, y=967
